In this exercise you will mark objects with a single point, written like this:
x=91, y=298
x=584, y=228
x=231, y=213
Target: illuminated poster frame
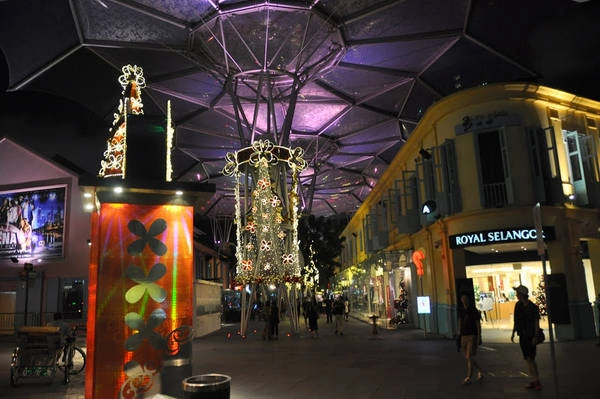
x=423, y=305
x=32, y=222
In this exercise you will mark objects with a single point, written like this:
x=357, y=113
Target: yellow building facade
x=454, y=213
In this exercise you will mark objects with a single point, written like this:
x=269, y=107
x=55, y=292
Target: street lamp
x=26, y=274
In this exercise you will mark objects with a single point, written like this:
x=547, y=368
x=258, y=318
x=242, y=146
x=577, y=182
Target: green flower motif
x=156, y=245
x=145, y=283
x=145, y=331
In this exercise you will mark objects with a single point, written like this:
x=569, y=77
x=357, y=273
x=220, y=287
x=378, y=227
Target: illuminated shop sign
x=500, y=236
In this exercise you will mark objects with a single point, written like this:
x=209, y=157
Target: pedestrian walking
x=328, y=306
x=313, y=316
x=274, y=321
x=267, y=318
x=346, y=309
x=338, y=315
x=305, y=310
x=526, y=325
x=469, y=328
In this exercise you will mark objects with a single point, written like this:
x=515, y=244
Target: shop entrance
x=493, y=287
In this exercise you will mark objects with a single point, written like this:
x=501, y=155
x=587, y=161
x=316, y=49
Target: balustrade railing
x=494, y=195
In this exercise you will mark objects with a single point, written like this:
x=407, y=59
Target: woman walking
x=469, y=328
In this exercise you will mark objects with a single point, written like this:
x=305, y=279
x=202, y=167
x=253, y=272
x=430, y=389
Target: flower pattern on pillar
x=147, y=237
x=145, y=331
x=142, y=375
x=145, y=283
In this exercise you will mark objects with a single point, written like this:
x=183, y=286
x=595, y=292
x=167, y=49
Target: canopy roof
x=346, y=80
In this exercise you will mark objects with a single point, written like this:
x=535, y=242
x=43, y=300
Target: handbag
x=540, y=337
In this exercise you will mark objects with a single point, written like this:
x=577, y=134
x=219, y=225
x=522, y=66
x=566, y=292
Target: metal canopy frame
x=348, y=80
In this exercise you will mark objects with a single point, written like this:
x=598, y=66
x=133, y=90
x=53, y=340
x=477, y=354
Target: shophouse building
x=454, y=213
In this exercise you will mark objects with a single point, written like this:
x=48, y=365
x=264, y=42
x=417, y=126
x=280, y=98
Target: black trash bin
x=207, y=386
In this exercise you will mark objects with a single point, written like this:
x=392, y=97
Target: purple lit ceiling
x=346, y=80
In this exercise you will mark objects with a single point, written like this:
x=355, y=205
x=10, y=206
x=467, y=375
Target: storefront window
x=493, y=285
x=399, y=285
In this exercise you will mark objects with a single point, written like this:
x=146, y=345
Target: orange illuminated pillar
x=141, y=304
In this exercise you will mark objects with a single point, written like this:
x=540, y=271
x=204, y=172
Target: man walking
x=526, y=325
x=338, y=314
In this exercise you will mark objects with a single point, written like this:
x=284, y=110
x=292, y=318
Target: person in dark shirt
x=313, y=316
x=526, y=325
x=274, y=321
x=338, y=314
x=469, y=328
x=328, y=308
x=305, y=310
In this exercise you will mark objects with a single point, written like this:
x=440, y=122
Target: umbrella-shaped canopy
x=346, y=80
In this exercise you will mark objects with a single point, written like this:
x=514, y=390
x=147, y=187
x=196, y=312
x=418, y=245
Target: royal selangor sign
x=500, y=236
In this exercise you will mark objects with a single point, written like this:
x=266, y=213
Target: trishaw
x=40, y=352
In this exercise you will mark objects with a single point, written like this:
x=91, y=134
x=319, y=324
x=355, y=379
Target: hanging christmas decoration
x=266, y=219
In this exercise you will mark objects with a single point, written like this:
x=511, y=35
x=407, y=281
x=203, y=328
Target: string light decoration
x=266, y=219
x=310, y=272
x=266, y=216
x=132, y=81
x=170, y=139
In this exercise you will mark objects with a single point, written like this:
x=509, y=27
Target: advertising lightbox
x=423, y=305
x=32, y=222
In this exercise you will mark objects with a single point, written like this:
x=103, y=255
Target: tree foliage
x=324, y=235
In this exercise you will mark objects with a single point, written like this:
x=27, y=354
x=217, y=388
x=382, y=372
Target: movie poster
x=32, y=222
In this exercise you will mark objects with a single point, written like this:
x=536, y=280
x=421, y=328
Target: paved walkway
x=400, y=364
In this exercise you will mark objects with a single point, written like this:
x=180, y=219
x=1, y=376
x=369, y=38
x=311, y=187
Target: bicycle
x=73, y=358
